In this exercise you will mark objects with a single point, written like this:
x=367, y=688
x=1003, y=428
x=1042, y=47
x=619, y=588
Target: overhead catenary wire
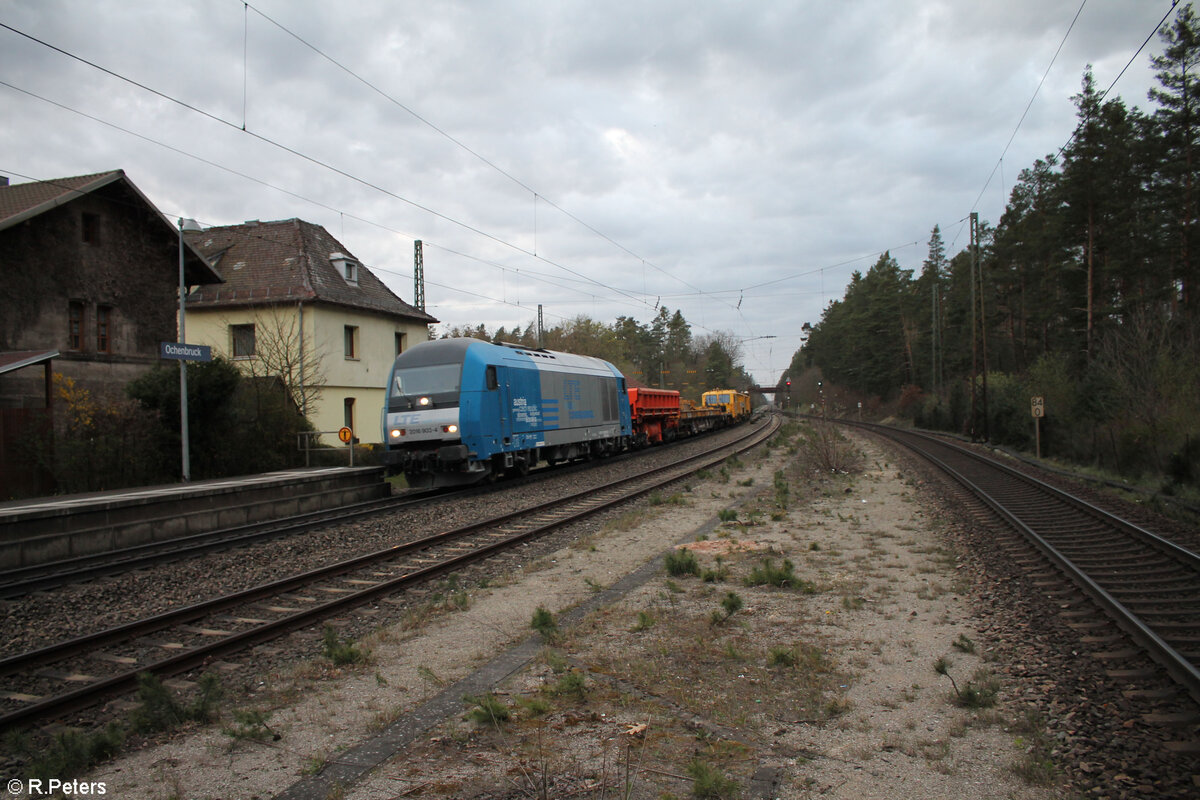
x=259, y=236
x=1029, y=105
x=1054, y=58
x=316, y=161
x=271, y=142
x=1104, y=94
x=459, y=143
x=514, y=264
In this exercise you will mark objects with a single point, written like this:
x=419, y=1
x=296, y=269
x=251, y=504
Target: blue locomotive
x=461, y=410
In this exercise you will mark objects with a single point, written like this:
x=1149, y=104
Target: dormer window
x=346, y=267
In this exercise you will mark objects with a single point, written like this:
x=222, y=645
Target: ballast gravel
x=861, y=713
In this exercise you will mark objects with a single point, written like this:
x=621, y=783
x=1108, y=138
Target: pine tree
x=1178, y=118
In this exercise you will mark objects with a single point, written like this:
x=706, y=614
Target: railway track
x=41, y=577
x=68, y=676
x=1148, y=586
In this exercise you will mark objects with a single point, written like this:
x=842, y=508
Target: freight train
x=459, y=411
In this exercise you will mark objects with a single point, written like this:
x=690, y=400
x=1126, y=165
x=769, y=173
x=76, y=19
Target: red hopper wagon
x=654, y=414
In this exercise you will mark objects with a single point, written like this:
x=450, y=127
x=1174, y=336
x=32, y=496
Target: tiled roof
x=287, y=261
x=24, y=200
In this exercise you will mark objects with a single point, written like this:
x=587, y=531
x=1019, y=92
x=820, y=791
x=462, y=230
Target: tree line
x=663, y=354
x=1086, y=293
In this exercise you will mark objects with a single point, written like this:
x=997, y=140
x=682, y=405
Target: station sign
x=184, y=352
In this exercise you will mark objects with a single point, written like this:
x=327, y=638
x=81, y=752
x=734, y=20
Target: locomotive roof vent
x=526, y=351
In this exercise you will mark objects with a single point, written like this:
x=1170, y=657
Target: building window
x=103, y=331
x=351, y=274
x=243, y=340
x=348, y=406
x=91, y=228
x=399, y=343
x=75, y=326
x=351, y=341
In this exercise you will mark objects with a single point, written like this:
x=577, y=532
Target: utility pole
x=418, y=276
x=974, y=335
x=978, y=333
x=982, y=320
x=933, y=337
x=541, y=340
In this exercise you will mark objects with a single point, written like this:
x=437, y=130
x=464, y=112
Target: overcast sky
x=733, y=160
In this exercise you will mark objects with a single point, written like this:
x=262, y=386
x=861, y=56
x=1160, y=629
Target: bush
x=220, y=401
x=709, y=783
x=100, y=441
x=827, y=450
x=71, y=753
x=572, y=684
x=682, y=561
x=488, y=710
x=544, y=623
x=160, y=710
x=783, y=576
x=339, y=652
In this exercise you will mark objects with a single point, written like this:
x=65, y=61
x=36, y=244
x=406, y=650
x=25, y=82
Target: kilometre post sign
x=1037, y=407
x=184, y=352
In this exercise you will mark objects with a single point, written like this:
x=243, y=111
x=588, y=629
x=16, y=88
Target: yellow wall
x=362, y=377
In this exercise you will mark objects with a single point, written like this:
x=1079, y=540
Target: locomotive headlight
x=423, y=401
x=449, y=429
x=396, y=433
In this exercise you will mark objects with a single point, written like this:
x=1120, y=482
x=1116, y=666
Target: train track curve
x=68, y=676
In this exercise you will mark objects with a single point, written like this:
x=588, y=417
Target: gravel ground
x=827, y=687
x=824, y=688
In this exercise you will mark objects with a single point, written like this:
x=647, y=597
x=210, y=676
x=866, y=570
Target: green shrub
x=544, y=623
x=339, y=652
x=488, y=710
x=159, y=710
x=572, y=684
x=71, y=753
x=250, y=723
x=709, y=783
x=783, y=576
x=682, y=561
x=716, y=574
x=781, y=656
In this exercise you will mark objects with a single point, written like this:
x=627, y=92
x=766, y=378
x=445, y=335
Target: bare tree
x=280, y=351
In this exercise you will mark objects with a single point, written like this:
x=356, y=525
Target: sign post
x=1037, y=407
x=347, y=437
x=184, y=353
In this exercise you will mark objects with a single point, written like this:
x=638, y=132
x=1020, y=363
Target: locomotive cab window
x=438, y=379
x=490, y=378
